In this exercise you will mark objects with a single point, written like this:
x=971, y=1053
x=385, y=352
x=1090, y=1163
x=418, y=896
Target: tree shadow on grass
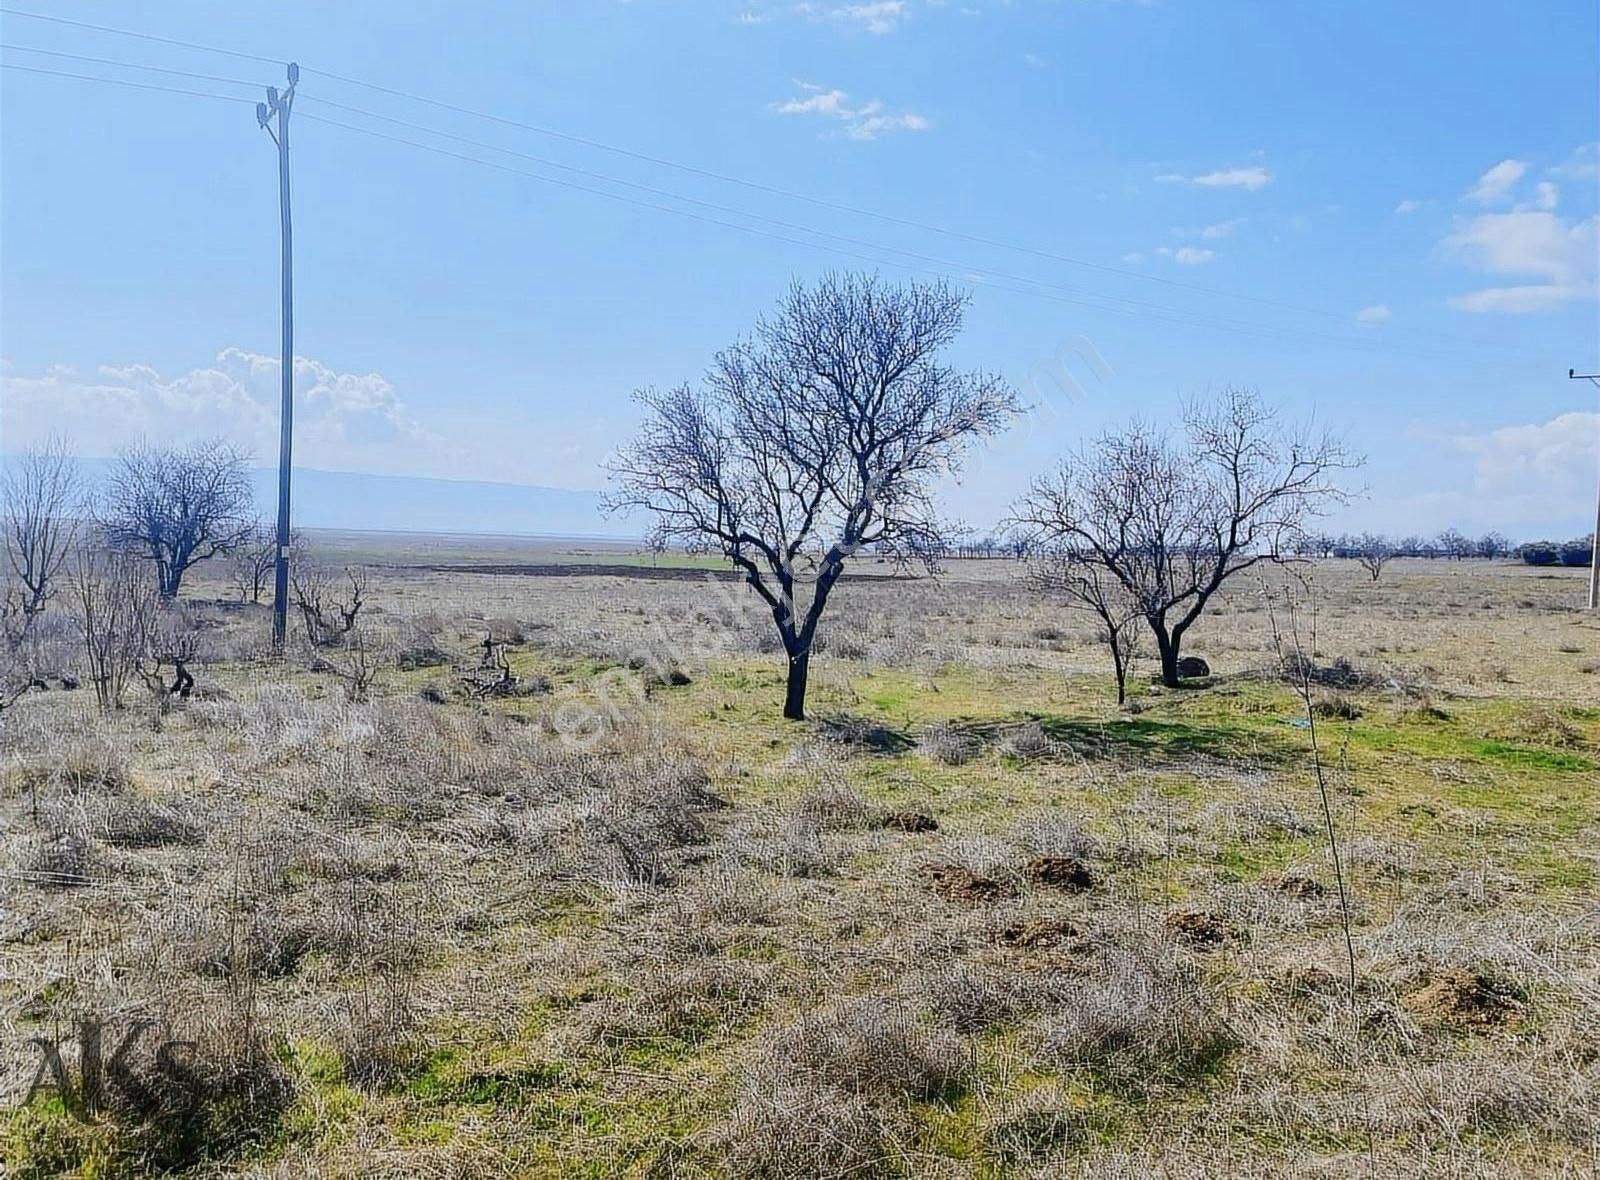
x=1149, y=740
x=862, y=734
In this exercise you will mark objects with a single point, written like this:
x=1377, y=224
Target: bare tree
x=1172, y=523
x=818, y=436
x=173, y=643
x=253, y=561
x=39, y=510
x=1088, y=585
x=329, y=612
x=1492, y=545
x=179, y=506
x=1374, y=552
x=116, y=608
x=1454, y=545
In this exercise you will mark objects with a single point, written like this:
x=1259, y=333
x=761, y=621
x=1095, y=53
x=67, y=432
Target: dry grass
x=977, y=922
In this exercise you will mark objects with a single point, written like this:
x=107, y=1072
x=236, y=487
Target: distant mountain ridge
x=421, y=504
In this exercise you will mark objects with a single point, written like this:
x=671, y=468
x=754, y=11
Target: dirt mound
x=1461, y=998
x=1309, y=980
x=1059, y=872
x=959, y=883
x=1298, y=885
x=1199, y=928
x=1042, y=934
x=908, y=821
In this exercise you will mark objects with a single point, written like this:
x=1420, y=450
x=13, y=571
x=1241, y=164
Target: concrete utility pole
x=1594, y=555
x=280, y=105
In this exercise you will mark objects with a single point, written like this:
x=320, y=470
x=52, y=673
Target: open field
x=970, y=920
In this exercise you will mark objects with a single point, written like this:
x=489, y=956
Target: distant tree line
x=1578, y=551
x=1451, y=544
x=1375, y=550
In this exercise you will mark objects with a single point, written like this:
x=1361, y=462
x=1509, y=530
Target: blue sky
x=1383, y=214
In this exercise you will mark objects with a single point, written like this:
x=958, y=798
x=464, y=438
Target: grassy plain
x=972, y=919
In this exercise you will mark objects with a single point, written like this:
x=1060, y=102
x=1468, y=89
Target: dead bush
x=875, y=1044
x=65, y=861
x=1336, y=706
x=1138, y=1024
x=686, y=1003
x=129, y=821
x=1023, y=1131
x=835, y=805
x=1056, y=834
x=184, y=1091
x=949, y=745
x=787, y=1127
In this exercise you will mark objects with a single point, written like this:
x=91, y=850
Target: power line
x=854, y=210
x=789, y=225
x=128, y=65
x=1154, y=311
x=997, y=280
x=756, y=186
x=124, y=82
x=78, y=24
x=1129, y=306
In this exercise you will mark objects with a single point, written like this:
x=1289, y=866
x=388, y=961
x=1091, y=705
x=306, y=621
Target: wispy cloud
x=877, y=17
x=867, y=121
x=1408, y=206
x=1497, y=183
x=1378, y=313
x=1210, y=233
x=1187, y=255
x=1582, y=164
x=1526, y=244
x=1246, y=178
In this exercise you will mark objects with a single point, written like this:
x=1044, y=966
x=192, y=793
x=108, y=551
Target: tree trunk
x=794, y=699
x=1167, y=646
x=1120, y=667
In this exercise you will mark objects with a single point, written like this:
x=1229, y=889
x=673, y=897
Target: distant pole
x=280, y=105
x=1594, y=544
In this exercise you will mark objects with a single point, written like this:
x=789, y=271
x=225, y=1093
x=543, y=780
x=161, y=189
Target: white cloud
x=1525, y=244
x=1554, y=459
x=864, y=122
x=1408, y=206
x=1034, y=60
x=1529, y=297
x=343, y=421
x=1187, y=255
x=1378, y=313
x=1546, y=195
x=1531, y=480
x=823, y=102
x=1495, y=184
x=1245, y=178
x=1133, y=256
x=877, y=17
x=1582, y=164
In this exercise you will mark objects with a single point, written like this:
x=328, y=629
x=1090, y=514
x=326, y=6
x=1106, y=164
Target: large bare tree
x=818, y=436
x=39, y=512
x=179, y=505
x=1172, y=522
